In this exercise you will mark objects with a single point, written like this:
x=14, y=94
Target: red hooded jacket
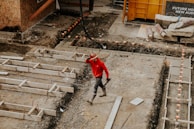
x=97, y=67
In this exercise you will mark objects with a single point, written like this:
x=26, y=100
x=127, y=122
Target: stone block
x=187, y=40
x=185, y=32
x=168, y=36
x=165, y=21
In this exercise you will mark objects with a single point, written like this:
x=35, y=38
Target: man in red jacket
x=97, y=67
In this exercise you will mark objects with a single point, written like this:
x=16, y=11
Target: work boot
x=104, y=92
x=91, y=101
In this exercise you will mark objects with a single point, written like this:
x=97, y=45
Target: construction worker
x=97, y=67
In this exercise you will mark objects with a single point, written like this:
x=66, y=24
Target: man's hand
x=108, y=79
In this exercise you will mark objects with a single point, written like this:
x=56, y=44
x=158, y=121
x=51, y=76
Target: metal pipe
x=42, y=8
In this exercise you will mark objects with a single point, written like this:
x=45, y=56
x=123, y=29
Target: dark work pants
x=91, y=5
x=98, y=83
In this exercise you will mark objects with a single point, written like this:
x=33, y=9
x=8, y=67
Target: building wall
x=17, y=13
x=10, y=13
x=28, y=7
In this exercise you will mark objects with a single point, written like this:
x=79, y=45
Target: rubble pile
x=172, y=28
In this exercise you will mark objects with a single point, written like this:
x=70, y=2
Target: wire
x=84, y=28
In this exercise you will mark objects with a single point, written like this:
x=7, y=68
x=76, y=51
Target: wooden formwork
x=24, y=112
x=178, y=97
x=39, y=68
x=63, y=55
x=12, y=65
x=34, y=87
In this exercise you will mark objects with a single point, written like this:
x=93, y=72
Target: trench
x=63, y=104
x=15, y=48
x=155, y=113
x=192, y=94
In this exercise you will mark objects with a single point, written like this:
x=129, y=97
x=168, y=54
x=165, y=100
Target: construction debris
x=171, y=28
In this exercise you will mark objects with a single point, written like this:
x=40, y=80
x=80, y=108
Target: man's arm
x=88, y=60
x=106, y=70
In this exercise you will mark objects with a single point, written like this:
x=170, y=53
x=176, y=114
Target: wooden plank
x=4, y=62
x=23, y=89
x=53, y=87
x=57, y=89
x=32, y=109
x=181, y=121
x=11, y=114
x=66, y=89
x=21, y=107
x=179, y=100
x=50, y=112
x=64, y=55
x=32, y=90
x=22, y=83
x=182, y=82
x=36, y=65
x=38, y=71
x=3, y=73
x=64, y=69
x=32, y=117
x=14, y=106
x=12, y=57
x=113, y=113
x=34, y=84
x=1, y=102
x=57, y=94
x=41, y=113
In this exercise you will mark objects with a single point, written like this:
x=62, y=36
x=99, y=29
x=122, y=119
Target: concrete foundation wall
x=17, y=13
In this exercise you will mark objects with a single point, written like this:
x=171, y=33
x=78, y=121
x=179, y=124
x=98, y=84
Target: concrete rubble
x=175, y=29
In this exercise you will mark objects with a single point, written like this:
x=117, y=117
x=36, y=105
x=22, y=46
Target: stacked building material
x=176, y=29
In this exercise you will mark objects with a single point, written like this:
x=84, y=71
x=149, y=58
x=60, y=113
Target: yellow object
x=146, y=9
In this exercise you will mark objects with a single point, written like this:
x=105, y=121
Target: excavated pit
x=159, y=95
x=95, y=30
x=14, y=48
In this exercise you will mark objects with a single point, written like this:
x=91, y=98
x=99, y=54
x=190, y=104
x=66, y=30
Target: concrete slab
x=185, y=32
x=129, y=80
x=118, y=28
x=136, y=101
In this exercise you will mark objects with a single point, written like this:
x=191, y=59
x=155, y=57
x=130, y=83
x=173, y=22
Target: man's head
x=93, y=56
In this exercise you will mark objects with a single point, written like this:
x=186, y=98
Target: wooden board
x=113, y=113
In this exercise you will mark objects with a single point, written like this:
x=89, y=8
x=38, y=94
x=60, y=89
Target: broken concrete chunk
x=149, y=32
x=160, y=30
x=136, y=101
x=186, y=23
x=168, y=36
x=165, y=21
x=185, y=32
x=182, y=24
x=187, y=40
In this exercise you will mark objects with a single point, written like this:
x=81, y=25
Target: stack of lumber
x=171, y=28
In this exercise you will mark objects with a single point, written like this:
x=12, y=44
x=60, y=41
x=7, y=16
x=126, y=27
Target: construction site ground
x=138, y=69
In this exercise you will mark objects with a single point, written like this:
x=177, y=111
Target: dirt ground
x=137, y=69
